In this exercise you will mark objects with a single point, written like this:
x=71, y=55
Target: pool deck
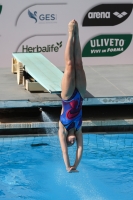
x=105, y=85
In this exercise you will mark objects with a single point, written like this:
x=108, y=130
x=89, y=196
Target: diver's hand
x=72, y=169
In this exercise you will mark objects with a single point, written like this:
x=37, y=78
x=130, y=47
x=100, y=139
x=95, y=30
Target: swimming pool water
x=33, y=172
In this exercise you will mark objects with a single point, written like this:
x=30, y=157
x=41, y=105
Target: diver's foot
x=71, y=27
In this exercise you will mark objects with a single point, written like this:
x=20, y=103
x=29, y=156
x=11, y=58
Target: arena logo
x=107, y=15
x=38, y=49
x=120, y=15
x=0, y=9
x=93, y=15
x=107, y=45
x=42, y=18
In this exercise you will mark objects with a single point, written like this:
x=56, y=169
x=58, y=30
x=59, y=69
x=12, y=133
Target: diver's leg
x=68, y=81
x=79, y=71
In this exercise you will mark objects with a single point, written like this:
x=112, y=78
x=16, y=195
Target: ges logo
x=42, y=18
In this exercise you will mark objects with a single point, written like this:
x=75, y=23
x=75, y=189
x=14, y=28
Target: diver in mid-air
x=73, y=91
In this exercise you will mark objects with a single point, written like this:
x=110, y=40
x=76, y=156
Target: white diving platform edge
x=40, y=68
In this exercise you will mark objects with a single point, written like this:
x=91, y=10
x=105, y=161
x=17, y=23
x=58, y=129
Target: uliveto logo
x=107, y=15
x=0, y=9
x=48, y=48
x=106, y=45
x=42, y=18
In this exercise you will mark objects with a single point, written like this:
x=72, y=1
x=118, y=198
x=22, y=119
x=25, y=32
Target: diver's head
x=70, y=139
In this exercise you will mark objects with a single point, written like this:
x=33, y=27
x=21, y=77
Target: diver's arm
x=63, y=144
x=79, y=149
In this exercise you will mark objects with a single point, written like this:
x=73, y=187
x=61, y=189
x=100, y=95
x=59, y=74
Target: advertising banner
x=107, y=14
x=107, y=45
x=30, y=26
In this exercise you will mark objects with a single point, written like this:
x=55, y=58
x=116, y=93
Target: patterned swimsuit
x=72, y=111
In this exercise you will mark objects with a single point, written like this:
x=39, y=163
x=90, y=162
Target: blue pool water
x=37, y=172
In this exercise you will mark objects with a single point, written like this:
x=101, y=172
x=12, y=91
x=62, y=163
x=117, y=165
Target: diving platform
x=36, y=72
x=106, y=85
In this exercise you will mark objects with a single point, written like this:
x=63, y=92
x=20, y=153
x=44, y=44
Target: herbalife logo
x=42, y=18
x=0, y=8
x=36, y=49
x=107, y=15
x=106, y=45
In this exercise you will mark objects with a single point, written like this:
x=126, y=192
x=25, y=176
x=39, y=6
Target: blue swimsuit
x=72, y=111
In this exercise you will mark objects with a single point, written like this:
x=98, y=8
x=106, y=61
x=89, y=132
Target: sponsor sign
x=51, y=46
x=42, y=13
x=0, y=9
x=106, y=45
x=46, y=48
x=107, y=15
x=42, y=17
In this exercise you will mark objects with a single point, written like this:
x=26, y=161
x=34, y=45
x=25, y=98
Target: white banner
x=30, y=26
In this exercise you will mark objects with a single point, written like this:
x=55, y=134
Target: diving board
x=41, y=69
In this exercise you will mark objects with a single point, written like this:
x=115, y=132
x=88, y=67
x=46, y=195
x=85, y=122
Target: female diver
x=73, y=91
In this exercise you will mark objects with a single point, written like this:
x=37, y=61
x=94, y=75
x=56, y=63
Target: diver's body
x=73, y=91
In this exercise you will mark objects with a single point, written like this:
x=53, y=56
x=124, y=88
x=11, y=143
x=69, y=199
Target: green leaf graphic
x=57, y=43
x=107, y=45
